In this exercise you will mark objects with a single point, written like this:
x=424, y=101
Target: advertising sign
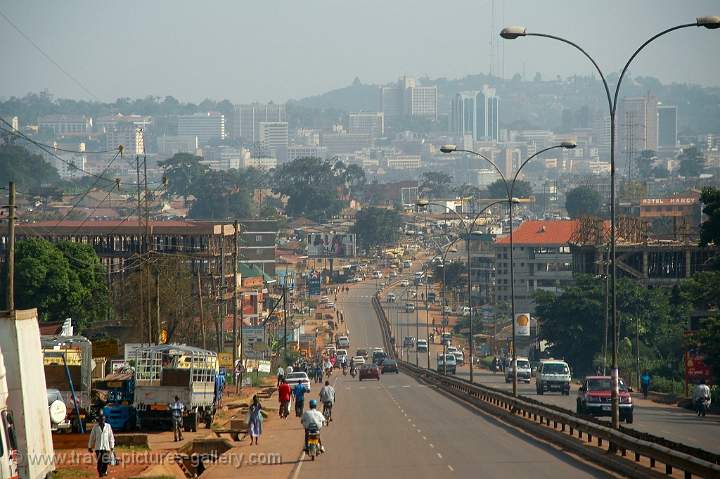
x=225, y=360
x=696, y=369
x=522, y=324
x=331, y=245
x=253, y=342
x=314, y=285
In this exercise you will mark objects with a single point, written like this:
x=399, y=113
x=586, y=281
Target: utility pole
x=141, y=295
x=235, y=299
x=285, y=318
x=202, y=312
x=10, y=253
x=157, y=303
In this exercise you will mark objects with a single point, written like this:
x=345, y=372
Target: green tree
x=222, y=195
x=313, y=187
x=702, y=293
x=27, y=170
x=692, y=162
x=377, y=227
x=710, y=228
x=87, y=269
x=183, y=172
x=497, y=190
x=435, y=184
x=582, y=201
x=455, y=274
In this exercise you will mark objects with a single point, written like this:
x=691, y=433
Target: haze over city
x=247, y=51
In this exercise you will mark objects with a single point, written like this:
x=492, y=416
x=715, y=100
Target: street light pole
x=511, y=33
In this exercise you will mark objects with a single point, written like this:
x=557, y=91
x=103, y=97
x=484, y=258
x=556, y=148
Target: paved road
x=671, y=422
x=397, y=427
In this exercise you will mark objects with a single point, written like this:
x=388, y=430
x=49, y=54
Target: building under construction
x=653, y=262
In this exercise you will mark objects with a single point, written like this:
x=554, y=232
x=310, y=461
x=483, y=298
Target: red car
x=369, y=371
x=594, y=398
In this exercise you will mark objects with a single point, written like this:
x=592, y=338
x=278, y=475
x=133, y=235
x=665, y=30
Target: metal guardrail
x=567, y=422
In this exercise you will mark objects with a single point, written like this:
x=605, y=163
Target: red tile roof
x=542, y=232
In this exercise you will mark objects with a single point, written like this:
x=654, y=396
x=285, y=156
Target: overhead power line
x=49, y=58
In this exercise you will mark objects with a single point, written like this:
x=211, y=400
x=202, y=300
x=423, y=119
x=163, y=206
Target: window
x=258, y=238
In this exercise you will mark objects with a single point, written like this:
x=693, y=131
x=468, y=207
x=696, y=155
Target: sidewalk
x=277, y=453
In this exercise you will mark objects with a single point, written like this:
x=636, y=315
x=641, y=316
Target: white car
x=341, y=353
x=393, y=274
x=358, y=360
x=299, y=377
x=404, y=283
x=459, y=356
x=324, y=299
x=343, y=342
x=377, y=274
x=422, y=345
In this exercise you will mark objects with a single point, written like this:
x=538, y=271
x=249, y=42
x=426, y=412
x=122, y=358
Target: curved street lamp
x=469, y=231
x=513, y=32
x=509, y=188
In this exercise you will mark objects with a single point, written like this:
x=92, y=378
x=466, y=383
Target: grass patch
x=72, y=473
x=131, y=448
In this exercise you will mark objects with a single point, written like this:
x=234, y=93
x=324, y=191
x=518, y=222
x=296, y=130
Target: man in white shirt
x=327, y=396
x=102, y=442
x=701, y=393
x=177, y=408
x=289, y=370
x=312, y=419
x=280, y=375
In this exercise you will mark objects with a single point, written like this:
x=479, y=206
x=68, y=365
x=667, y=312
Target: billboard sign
x=522, y=324
x=331, y=245
x=314, y=284
x=253, y=342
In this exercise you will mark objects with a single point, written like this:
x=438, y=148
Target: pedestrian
x=299, y=393
x=645, y=383
x=102, y=442
x=177, y=408
x=284, y=394
x=280, y=375
x=255, y=419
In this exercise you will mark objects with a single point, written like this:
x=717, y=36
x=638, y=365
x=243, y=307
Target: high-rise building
x=170, y=145
x=407, y=99
x=247, y=119
x=66, y=125
x=636, y=127
x=206, y=126
x=129, y=136
x=476, y=114
x=306, y=151
x=273, y=136
x=367, y=123
x=667, y=126
x=338, y=143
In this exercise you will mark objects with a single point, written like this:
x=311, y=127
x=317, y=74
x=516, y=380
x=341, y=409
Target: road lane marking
x=424, y=438
x=418, y=430
x=409, y=420
x=431, y=446
x=439, y=455
x=451, y=468
x=414, y=426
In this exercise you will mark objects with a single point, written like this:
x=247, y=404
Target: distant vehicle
x=407, y=264
x=523, y=371
x=377, y=274
x=408, y=342
x=362, y=353
x=389, y=366
x=369, y=371
x=340, y=354
x=378, y=357
x=422, y=345
x=409, y=307
x=298, y=377
x=343, y=342
x=393, y=274
x=446, y=362
x=358, y=360
x=324, y=299
x=447, y=309
x=446, y=339
x=465, y=311
x=58, y=411
x=594, y=398
x=431, y=297
x=390, y=297
x=553, y=375
x=459, y=356
x=330, y=305
x=404, y=283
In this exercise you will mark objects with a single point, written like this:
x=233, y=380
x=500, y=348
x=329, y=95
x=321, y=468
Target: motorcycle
x=313, y=443
x=702, y=406
x=344, y=370
x=352, y=373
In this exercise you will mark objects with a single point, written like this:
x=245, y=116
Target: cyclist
x=327, y=396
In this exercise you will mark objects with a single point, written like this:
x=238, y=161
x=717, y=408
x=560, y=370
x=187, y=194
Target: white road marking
x=431, y=446
x=424, y=438
x=418, y=430
x=409, y=420
x=414, y=425
x=439, y=455
x=451, y=468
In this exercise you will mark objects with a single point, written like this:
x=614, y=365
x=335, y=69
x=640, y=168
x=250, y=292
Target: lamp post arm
x=512, y=184
x=627, y=65
x=487, y=207
x=587, y=55
x=491, y=164
x=462, y=220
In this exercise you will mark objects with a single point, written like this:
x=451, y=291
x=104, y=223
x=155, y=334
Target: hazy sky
x=247, y=50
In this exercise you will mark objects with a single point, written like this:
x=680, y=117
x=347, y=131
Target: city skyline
x=210, y=63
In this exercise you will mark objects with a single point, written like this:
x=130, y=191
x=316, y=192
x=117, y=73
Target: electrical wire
x=49, y=58
x=117, y=185
x=17, y=133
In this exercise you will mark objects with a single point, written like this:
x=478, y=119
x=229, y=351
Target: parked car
x=409, y=307
x=404, y=283
x=369, y=371
x=389, y=366
x=390, y=297
x=298, y=377
x=594, y=398
x=407, y=264
x=446, y=362
x=422, y=345
x=523, y=371
x=377, y=274
x=553, y=375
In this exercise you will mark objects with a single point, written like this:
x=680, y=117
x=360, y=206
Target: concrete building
x=104, y=124
x=306, y=151
x=223, y=158
x=542, y=259
x=129, y=136
x=676, y=217
x=66, y=125
x=12, y=120
x=247, y=118
x=403, y=162
x=169, y=145
x=667, y=126
x=407, y=99
x=260, y=163
x=205, y=126
x=257, y=244
x=367, y=123
x=273, y=136
x=338, y=143
x=475, y=114
x=636, y=127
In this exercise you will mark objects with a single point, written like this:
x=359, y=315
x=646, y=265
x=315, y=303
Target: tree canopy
x=377, y=227
x=582, y=201
x=692, y=162
x=435, y=184
x=497, y=190
x=27, y=170
x=710, y=228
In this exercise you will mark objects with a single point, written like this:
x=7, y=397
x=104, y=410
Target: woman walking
x=255, y=420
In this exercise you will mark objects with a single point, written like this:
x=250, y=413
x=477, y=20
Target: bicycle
x=327, y=411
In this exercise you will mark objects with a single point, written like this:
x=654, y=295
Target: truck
x=167, y=370
x=116, y=393
x=25, y=434
x=68, y=365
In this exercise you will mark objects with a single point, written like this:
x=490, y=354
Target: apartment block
x=205, y=126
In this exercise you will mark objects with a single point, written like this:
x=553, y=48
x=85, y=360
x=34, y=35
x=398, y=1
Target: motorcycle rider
x=327, y=396
x=701, y=398
x=312, y=419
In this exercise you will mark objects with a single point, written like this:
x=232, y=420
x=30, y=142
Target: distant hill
x=356, y=97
